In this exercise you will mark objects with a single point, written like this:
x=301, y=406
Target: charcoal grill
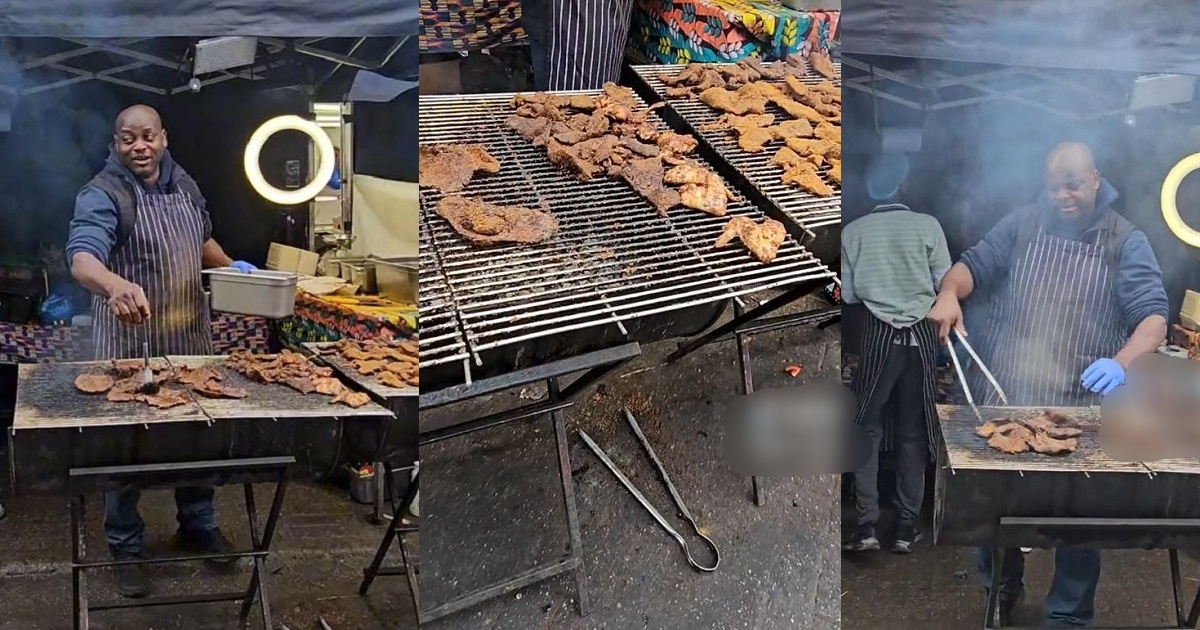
x=616, y=274
x=396, y=441
x=616, y=270
x=985, y=497
x=815, y=220
x=56, y=427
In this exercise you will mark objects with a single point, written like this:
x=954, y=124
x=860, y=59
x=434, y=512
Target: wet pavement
x=492, y=507
x=323, y=544
x=937, y=588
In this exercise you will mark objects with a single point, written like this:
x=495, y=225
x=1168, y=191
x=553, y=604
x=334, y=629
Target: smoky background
x=980, y=161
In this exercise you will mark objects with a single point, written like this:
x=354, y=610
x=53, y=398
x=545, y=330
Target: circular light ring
x=324, y=152
x=1170, y=191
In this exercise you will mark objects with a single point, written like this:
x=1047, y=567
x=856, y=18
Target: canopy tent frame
x=127, y=59
x=919, y=88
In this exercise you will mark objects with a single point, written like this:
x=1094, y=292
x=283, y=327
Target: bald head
x=1072, y=180
x=139, y=140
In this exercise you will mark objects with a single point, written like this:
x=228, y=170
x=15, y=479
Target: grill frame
x=604, y=230
x=804, y=213
x=972, y=496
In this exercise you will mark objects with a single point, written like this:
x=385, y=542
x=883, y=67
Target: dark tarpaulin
x=203, y=18
x=1150, y=36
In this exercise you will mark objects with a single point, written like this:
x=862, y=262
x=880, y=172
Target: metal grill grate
x=806, y=209
x=969, y=451
x=441, y=339
x=613, y=259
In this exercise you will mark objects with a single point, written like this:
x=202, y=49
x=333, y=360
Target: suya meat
x=1044, y=432
x=645, y=176
x=732, y=102
x=823, y=66
x=390, y=363
x=484, y=223
x=762, y=239
x=449, y=167
x=805, y=176
x=94, y=383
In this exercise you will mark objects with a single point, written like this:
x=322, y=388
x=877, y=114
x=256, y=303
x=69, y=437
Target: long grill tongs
x=641, y=498
x=962, y=378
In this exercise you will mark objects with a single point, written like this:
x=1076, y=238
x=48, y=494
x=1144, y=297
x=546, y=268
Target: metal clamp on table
x=595, y=367
x=247, y=472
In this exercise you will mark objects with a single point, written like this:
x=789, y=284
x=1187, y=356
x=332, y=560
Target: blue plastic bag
x=57, y=308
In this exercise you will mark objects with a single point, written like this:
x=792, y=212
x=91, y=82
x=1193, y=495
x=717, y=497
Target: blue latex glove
x=1103, y=376
x=335, y=182
x=243, y=266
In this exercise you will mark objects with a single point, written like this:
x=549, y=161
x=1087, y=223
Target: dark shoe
x=863, y=540
x=130, y=578
x=204, y=543
x=1007, y=604
x=907, y=535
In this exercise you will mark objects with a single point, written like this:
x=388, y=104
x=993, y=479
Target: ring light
x=1170, y=191
x=324, y=169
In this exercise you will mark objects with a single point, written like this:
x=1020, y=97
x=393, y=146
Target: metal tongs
x=149, y=386
x=962, y=378
x=637, y=494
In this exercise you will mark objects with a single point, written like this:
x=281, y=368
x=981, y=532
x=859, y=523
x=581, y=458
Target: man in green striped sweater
x=893, y=260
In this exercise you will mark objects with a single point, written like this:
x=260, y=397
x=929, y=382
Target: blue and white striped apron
x=580, y=43
x=1058, y=315
x=162, y=256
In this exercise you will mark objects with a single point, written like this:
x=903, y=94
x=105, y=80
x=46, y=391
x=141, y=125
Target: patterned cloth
x=28, y=343
x=319, y=319
x=467, y=25
x=722, y=31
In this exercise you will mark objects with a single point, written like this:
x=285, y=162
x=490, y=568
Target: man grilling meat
x=140, y=236
x=1080, y=296
x=892, y=262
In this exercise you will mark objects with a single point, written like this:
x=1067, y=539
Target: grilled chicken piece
x=812, y=98
x=690, y=73
x=351, y=398
x=483, y=223
x=701, y=188
x=989, y=428
x=727, y=101
x=830, y=91
x=449, y=167
x=823, y=66
x=832, y=133
x=164, y=399
x=762, y=239
x=810, y=147
x=760, y=92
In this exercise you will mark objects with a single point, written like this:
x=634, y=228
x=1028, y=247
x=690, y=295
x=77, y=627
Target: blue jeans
x=1072, y=597
x=126, y=532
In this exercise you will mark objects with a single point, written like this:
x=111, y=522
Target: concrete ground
x=936, y=588
x=491, y=506
x=320, y=550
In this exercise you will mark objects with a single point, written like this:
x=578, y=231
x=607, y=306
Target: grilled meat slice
x=531, y=129
x=1011, y=438
x=727, y=101
x=835, y=171
x=817, y=148
x=1046, y=445
x=94, y=383
x=793, y=129
x=645, y=176
x=164, y=399
x=812, y=98
x=449, y=167
x=755, y=139
x=701, y=188
x=688, y=75
x=762, y=239
x=771, y=71
x=798, y=110
x=483, y=223
x=823, y=66
x=989, y=428
x=831, y=92
x=805, y=176
x=832, y=133
x=640, y=148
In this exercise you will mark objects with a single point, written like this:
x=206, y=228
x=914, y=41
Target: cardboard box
x=292, y=259
x=1189, y=312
